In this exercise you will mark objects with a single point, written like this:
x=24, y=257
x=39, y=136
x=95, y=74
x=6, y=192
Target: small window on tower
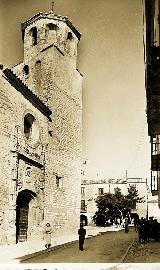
x=51, y=26
x=70, y=44
x=34, y=35
x=26, y=69
x=50, y=31
x=59, y=181
x=38, y=73
x=69, y=36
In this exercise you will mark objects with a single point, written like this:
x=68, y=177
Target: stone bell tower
x=49, y=69
x=50, y=55
x=41, y=133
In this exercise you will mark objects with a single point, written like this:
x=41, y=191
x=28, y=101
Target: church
x=41, y=133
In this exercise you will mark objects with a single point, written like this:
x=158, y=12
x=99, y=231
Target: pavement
x=11, y=254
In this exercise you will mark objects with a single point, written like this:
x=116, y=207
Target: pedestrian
x=126, y=228
x=82, y=233
x=48, y=232
x=143, y=233
x=148, y=229
x=136, y=223
x=156, y=230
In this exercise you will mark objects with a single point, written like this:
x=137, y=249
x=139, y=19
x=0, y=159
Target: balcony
x=155, y=162
x=154, y=184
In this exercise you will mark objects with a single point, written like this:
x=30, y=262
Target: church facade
x=41, y=133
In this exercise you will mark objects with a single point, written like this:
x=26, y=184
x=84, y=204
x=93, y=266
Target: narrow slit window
x=69, y=36
x=28, y=122
x=34, y=36
x=26, y=70
x=38, y=73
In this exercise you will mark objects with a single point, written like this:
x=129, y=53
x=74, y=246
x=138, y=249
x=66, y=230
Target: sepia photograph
x=80, y=134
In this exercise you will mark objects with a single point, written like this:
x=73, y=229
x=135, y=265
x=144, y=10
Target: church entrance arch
x=22, y=210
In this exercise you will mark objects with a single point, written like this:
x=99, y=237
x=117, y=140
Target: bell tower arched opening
x=22, y=211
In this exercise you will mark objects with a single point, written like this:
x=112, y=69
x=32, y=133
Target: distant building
x=40, y=133
x=91, y=189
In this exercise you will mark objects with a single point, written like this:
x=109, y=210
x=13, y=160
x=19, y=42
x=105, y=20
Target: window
x=51, y=26
x=100, y=191
x=38, y=73
x=59, y=181
x=34, y=35
x=31, y=130
x=50, y=31
x=28, y=122
x=70, y=44
x=26, y=69
x=83, y=207
x=69, y=36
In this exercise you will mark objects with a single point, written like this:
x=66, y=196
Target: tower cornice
x=50, y=15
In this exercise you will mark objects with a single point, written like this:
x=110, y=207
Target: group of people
x=147, y=229
x=81, y=233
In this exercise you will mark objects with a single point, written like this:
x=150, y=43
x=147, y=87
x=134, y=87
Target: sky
x=111, y=59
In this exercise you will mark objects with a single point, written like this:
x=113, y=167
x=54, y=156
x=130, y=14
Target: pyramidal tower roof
x=50, y=15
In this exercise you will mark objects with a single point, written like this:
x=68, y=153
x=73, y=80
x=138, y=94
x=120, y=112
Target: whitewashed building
x=91, y=189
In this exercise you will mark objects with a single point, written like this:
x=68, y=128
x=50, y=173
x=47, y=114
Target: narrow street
x=109, y=247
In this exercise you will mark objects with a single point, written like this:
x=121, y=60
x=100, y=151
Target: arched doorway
x=83, y=219
x=22, y=207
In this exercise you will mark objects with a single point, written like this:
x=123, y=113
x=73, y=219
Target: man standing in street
x=126, y=225
x=82, y=233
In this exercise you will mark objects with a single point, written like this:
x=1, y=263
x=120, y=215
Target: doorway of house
x=83, y=219
x=22, y=211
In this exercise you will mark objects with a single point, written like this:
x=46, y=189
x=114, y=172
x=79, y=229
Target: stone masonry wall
x=61, y=89
x=12, y=109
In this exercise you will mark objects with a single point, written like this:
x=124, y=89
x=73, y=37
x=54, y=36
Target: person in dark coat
x=126, y=227
x=155, y=230
x=136, y=223
x=143, y=231
x=82, y=233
